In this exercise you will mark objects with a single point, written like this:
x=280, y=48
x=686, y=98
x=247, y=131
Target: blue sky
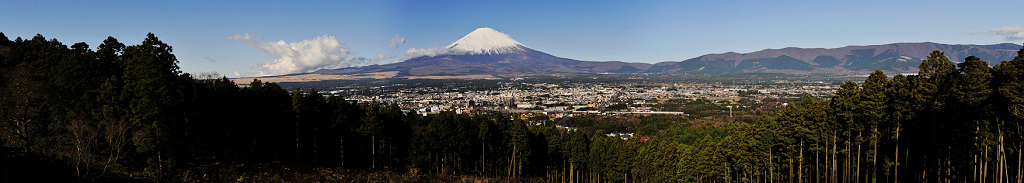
x=632, y=31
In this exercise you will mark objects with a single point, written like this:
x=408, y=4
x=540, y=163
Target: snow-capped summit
x=484, y=41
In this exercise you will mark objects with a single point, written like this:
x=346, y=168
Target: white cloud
x=418, y=52
x=396, y=41
x=414, y=52
x=321, y=52
x=211, y=59
x=1010, y=33
x=382, y=57
x=379, y=58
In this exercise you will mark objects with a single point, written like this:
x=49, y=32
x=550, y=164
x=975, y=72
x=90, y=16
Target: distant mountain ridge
x=897, y=57
x=487, y=51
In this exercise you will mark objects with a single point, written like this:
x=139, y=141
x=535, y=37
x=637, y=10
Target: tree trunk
x=847, y=161
x=1019, y=161
x=483, y=156
x=728, y=173
x=373, y=150
x=508, y=169
x=857, y=166
x=1002, y=157
x=341, y=142
x=1020, y=172
x=949, y=168
x=514, y=162
x=316, y=135
x=896, y=167
x=874, y=158
x=771, y=171
x=977, y=161
x=571, y=174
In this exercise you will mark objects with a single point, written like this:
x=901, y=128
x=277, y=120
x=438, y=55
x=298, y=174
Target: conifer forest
x=123, y=112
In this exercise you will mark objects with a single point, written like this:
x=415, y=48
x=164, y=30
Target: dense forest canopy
x=123, y=112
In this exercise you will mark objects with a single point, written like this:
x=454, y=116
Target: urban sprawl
x=567, y=99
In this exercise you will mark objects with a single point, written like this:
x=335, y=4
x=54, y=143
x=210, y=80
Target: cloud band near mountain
x=1010, y=33
x=321, y=52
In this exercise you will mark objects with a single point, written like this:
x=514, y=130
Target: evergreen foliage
x=127, y=111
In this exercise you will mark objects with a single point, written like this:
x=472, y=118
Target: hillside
x=891, y=58
x=487, y=52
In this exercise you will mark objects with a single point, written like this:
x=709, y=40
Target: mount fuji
x=487, y=51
